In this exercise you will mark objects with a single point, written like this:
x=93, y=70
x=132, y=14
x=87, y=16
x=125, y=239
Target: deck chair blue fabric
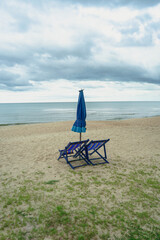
x=74, y=150
x=93, y=147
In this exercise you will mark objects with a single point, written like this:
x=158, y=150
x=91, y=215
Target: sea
x=24, y=113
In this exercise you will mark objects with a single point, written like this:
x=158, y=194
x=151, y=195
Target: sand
x=34, y=147
x=123, y=191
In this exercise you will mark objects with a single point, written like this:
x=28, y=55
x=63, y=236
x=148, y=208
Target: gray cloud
x=113, y=4
x=45, y=4
x=7, y=78
x=83, y=70
x=10, y=58
x=11, y=81
x=44, y=61
x=76, y=64
x=106, y=3
x=140, y=25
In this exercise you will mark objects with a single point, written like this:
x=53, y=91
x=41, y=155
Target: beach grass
x=43, y=199
x=88, y=206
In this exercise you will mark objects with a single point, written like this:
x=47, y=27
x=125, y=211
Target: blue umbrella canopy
x=80, y=123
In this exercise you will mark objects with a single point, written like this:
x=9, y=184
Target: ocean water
x=19, y=113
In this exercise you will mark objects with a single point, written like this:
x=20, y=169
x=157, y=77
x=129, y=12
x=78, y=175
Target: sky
x=49, y=49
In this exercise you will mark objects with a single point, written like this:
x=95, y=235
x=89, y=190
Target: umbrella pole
x=80, y=137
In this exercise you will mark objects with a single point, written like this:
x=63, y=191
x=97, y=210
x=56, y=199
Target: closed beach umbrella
x=80, y=123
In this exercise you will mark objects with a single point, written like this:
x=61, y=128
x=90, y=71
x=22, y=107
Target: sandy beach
x=30, y=152
x=34, y=147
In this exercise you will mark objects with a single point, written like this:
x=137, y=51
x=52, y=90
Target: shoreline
x=57, y=112
x=111, y=120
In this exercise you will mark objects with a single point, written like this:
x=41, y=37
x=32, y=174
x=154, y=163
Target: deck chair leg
x=60, y=156
x=74, y=150
x=82, y=155
x=104, y=158
x=101, y=157
x=66, y=158
x=94, y=147
x=86, y=156
x=69, y=162
x=105, y=152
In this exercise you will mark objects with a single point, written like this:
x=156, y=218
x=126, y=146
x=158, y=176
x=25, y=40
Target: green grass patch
x=122, y=205
x=51, y=182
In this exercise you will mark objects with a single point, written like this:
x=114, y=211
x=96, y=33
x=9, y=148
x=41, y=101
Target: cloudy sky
x=49, y=49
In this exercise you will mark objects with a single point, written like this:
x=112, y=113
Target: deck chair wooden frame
x=75, y=150
x=94, y=147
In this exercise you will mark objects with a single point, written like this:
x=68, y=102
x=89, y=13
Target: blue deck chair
x=93, y=147
x=74, y=150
